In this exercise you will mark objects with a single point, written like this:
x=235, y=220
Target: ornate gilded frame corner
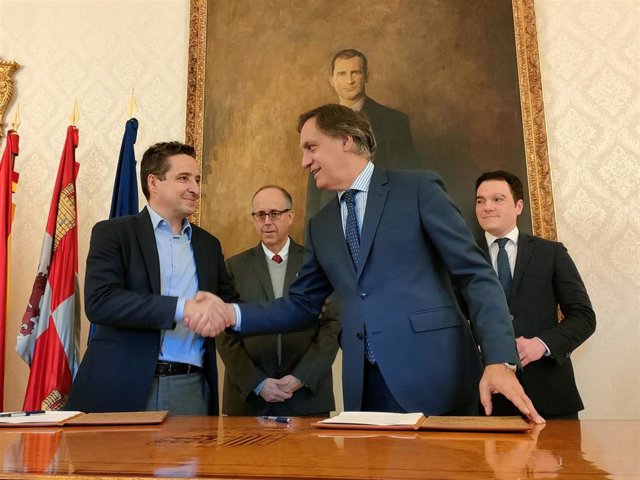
x=7, y=68
x=533, y=122
x=195, y=84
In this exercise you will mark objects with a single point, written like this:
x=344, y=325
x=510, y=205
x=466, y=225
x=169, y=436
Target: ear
x=332, y=83
x=152, y=181
x=519, y=206
x=347, y=143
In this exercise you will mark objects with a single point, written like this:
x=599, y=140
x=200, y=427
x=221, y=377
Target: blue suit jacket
x=414, y=243
x=122, y=298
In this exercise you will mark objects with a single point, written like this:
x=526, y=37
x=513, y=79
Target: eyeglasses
x=273, y=215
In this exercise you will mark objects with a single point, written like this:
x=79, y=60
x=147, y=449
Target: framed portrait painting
x=449, y=86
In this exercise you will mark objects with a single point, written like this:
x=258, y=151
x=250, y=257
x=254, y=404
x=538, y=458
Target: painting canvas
x=452, y=70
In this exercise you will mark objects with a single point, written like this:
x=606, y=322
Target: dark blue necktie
x=504, y=270
x=352, y=235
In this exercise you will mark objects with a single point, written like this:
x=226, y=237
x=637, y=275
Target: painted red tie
x=277, y=258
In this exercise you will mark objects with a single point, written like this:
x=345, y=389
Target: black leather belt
x=167, y=369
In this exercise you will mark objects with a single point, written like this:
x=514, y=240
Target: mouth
x=314, y=172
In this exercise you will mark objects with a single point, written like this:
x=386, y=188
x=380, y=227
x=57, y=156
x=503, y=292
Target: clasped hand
x=208, y=315
x=280, y=389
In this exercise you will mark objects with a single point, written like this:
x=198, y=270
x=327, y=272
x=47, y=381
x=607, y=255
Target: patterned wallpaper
x=590, y=63
x=96, y=51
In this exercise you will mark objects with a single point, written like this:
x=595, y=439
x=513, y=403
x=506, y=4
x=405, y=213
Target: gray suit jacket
x=307, y=355
x=413, y=243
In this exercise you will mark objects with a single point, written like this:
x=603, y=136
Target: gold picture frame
x=531, y=102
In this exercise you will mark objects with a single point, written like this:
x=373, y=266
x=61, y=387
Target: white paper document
x=52, y=417
x=375, y=418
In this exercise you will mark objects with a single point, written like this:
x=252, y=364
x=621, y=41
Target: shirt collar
x=512, y=235
x=362, y=181
x=358, y=105
x=158, y=222
x=284, y=251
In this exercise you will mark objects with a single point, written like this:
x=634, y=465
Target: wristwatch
x=511, y=366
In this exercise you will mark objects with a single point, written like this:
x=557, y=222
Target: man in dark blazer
x=275, y=374
x=143, y=275
x=543, y=279
x=395, y=149
x=390, y=244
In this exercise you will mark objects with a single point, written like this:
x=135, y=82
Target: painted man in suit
x=144, y=274
x=390, y=244
x=275, y=374
x=539, y=276
x=348, y=77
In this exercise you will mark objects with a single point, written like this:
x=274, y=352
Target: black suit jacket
x=308, y=355
x=544, y=279
x=123, y=300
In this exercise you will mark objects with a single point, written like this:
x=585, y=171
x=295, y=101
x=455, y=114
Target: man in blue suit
x=406, y=345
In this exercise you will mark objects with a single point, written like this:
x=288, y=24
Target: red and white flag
x=48, y=338
x=8, y=184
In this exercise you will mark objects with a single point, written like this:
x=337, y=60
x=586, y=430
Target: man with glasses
x=276, y=374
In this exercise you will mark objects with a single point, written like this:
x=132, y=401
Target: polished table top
x=248, y=447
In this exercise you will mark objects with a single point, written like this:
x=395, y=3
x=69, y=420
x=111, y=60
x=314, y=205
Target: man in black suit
x=395, y=150
x=144, y=274
x=538, y=277
x=286, y=374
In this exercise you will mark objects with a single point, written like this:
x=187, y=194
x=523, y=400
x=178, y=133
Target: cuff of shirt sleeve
x=237, y=326
x=258, y=389
x=547, y=352
x=179, y=316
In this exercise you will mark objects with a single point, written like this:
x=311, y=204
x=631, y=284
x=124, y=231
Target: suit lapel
x=330, y=232
x=376, y=200
x=200, y=253
x=147, y=240
x=525, y=250
x=295, y=259
x=258, y=262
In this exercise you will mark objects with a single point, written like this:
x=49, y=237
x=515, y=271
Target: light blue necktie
x=504, y=269
x=352, y=235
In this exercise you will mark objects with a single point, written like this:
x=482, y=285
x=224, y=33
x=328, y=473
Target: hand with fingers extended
x=208, y=315
x=272, y=391
x=499, y=378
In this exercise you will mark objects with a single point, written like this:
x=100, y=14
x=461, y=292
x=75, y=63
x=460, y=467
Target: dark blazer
x=544, y=279
x=395, y=149
x=122, y=298
x=307, y=355
x=413, y=241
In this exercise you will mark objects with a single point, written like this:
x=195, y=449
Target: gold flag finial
x=132, y=108
x=16, y=119
x=75, y=115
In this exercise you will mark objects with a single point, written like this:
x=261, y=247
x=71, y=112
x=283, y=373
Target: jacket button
x=511, y=317
x=359, y=335
x=363, y=295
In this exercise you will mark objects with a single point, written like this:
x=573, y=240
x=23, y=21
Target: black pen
x=277, y=419
x=20, y=414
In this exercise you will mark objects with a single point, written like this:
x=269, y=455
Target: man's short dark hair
x=350, y=53
x=515, y=185
x=287, y=195
x=154, y=161
x=339, y=121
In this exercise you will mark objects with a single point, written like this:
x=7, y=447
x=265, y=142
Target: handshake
x=208, y=315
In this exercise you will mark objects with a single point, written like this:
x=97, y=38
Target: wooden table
x=247, y=447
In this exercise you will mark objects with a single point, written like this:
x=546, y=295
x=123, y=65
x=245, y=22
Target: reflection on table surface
x=243, y=447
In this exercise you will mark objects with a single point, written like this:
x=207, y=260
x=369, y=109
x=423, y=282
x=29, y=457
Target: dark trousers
x=376, y=396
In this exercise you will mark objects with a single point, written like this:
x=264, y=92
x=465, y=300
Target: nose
x=194, y=187
x=306, y=159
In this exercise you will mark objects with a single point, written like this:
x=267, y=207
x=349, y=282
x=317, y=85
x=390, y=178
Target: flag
x=48, y=339
x=124, y=200
x=125, y=188
x=8, y=184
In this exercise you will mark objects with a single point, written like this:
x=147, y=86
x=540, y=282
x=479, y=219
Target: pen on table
x=20, y=414
x=277, y=419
